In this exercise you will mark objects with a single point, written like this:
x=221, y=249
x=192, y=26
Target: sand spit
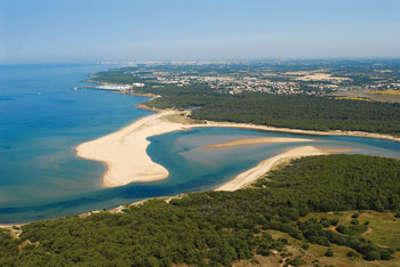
x=299, y=131
x=124, y=151
x=247, y=177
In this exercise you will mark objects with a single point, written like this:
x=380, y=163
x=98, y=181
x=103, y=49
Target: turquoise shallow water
x=42, y=119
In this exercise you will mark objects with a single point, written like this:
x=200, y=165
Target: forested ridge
x=220, y=228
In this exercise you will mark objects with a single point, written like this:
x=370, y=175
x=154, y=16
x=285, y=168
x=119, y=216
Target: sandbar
x=257, y=141
x=124, y=151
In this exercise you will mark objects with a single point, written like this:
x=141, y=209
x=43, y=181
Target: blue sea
x=42, y=120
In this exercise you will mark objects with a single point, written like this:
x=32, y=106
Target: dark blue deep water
x=42, y=119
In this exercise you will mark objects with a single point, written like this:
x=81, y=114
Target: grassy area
x=181, y=118
x=383, y=227
x=354, y=98
x=362, y=93
x=315, y=254
x=383, y=230
x=385, y=92
x=385, y=98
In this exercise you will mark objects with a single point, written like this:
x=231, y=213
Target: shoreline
x=182, y=122
x=251, y=175
x=124, y=152
x=243, y=179
x=303, y=132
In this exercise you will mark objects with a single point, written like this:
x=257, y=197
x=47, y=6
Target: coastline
x=124, y=151
x=164, y=121
x=303, y=132
x=244, y=179
x=249, y=176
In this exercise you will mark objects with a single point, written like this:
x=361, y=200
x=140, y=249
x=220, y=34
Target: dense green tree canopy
x=300, y=112
x=218, y=228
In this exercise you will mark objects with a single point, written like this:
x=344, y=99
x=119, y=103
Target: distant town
x=364, y=79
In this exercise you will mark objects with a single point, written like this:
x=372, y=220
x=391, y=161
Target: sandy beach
x=248, y=177
x=124, y=151
x=299, y=131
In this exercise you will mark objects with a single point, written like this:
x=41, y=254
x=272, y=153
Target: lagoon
x=42, y=120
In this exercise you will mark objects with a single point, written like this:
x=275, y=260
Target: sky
x=40, y=31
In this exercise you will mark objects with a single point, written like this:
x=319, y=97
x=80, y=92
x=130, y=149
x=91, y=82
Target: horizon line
x=228, y=60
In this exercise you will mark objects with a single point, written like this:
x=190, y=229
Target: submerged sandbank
x=257, y=141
